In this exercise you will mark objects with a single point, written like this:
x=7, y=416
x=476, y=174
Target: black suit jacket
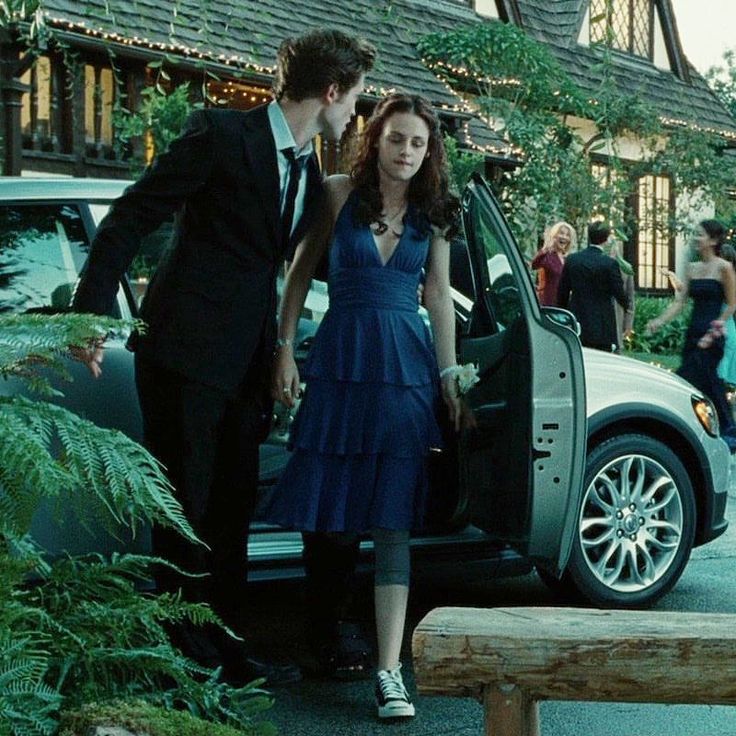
x=590, y=282
x=212, y=301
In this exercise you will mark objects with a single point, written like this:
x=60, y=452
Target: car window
x=42, y=250
x=503, y=294
x=153, y=246
x=143, y=266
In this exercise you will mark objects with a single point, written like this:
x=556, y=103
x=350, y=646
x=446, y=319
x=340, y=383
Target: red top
x=551, y=266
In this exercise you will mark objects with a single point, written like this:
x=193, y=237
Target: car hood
x=614, y=378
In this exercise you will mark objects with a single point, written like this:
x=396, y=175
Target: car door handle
x=540, y=454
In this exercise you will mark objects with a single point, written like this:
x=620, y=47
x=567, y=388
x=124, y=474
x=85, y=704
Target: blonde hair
x=553, y=230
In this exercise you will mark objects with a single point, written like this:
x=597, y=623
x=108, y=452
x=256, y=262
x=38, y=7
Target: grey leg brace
x=393, y=566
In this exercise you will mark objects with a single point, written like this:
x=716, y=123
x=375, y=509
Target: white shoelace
x=391, y=685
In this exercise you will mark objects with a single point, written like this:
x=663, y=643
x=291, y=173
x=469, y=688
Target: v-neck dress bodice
x=366, y=423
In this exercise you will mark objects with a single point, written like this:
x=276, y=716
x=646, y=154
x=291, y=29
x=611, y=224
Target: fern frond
x=30, y=342
x=105, y=466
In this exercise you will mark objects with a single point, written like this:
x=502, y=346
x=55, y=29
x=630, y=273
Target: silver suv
x=602, y=471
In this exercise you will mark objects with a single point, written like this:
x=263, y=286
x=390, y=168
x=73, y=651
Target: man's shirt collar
x=282, y=134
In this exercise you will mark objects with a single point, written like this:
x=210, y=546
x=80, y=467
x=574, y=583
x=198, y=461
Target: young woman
x=727, y=366
x=558, y=241
x=367, y=421
x=711, y=283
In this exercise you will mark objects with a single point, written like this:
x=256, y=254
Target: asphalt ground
x=318, y=707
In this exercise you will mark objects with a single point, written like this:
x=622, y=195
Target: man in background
x=590, y=282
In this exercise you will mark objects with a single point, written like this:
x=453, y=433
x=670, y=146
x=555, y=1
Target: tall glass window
x=655, y=249
x=99, y=97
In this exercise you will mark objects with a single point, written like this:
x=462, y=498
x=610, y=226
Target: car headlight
x=706, y=415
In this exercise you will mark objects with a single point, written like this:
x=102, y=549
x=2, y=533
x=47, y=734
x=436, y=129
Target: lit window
x=39, y=124
x=99, y=95
x=624, y=24
x=488, y=8
x=654, y=248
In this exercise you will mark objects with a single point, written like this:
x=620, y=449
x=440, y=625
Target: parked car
x=602, y=471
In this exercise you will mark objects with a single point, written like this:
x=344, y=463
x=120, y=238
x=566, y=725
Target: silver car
x=603, y=472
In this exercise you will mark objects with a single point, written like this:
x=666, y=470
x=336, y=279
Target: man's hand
x=92, y=357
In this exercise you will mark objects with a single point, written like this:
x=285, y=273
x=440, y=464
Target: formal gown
x=700, y=365
x=367, y=420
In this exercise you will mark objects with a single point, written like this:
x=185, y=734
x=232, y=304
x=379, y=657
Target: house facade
x=93, y=55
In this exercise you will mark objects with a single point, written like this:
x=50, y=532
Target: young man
x=243, y=187
x=590, y=282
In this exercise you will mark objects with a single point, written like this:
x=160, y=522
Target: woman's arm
x=674, y=309
x=542, y=258
x=285, y=375
x=438, y=301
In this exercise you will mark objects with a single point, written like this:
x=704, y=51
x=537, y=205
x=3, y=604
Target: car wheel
x=636, y=523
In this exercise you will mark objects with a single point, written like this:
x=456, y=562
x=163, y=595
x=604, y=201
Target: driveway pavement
x=324, y=708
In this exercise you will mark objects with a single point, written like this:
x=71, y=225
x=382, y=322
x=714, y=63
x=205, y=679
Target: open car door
x=521, y=471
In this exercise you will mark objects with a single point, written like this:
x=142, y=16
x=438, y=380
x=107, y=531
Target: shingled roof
x=676, y=99
x=245, y=35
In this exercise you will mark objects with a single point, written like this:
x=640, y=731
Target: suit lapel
x=260, y=152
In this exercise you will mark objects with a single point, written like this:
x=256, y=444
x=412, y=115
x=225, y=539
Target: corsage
x=466, y=376
x=717, y=329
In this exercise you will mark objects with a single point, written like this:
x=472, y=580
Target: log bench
x=511, y=658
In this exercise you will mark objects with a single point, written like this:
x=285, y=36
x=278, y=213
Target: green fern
x=30, y=343
x=85, y=628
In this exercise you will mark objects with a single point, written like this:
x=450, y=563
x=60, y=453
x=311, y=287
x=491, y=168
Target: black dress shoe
x=197, y=643
x=347, y=656
x=246, y=669
x=276, y=673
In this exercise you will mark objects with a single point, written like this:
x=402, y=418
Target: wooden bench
x=511, y=658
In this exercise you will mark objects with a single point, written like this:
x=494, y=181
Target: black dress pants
x=207, y=439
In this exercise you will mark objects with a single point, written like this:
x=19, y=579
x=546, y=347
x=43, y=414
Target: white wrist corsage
x=466, y=376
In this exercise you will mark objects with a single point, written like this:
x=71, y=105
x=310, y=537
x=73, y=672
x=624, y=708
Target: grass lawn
x=671, y=362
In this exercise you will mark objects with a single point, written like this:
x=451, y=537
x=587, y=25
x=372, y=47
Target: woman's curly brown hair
x=428, y=189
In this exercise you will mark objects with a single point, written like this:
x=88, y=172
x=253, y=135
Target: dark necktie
x=292, y=186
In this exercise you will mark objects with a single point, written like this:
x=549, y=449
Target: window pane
x=640, y=27
x=98, y=97
x=503, y=295
x=654, y=232
x=628, y=21
x=598, y=21
x=42, y=249
x=153, y=248
x=487, y=8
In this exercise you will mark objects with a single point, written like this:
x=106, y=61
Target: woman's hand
x=461, y=415
x=284, y=377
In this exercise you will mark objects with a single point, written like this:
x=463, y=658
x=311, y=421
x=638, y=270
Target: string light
x=179, y=48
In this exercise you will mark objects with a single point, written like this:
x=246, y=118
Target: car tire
x=636, y=524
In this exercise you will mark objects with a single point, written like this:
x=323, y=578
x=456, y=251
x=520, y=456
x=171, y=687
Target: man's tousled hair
x=307, y=65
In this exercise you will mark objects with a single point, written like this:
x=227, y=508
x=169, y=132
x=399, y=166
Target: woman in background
x=711, y=283
x=558, y=242
x=727, y=366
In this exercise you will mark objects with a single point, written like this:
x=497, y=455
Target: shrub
x=669, y=339
x=78, y=629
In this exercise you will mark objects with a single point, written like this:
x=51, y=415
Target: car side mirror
x=562, y=317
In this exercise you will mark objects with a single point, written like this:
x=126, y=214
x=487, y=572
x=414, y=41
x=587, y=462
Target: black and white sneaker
x=391, y=695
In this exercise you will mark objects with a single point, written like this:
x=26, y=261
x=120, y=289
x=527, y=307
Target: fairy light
x=103, y=34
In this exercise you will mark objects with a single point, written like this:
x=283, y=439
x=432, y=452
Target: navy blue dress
x=700, y=365
x=366, y=423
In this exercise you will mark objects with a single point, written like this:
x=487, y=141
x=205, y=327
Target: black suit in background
x=203, y=365
x=590, y=282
